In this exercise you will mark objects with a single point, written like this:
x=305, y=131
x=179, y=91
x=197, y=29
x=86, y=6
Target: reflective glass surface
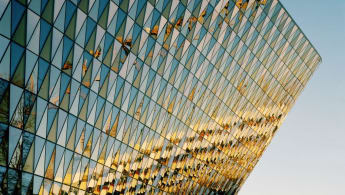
x=134, y=96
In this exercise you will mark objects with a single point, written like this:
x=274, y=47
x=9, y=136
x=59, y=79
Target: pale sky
x=307, y=155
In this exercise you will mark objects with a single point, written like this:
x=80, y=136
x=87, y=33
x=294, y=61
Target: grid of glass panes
x=139, y=96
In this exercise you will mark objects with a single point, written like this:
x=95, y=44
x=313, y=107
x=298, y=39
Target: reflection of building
x=110, y=96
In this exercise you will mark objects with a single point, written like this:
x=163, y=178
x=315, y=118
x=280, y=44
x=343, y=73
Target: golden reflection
x=204, y=114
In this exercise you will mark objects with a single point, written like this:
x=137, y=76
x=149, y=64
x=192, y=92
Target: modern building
x=135, y=96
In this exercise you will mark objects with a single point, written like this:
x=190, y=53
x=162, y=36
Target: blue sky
x=307, y=155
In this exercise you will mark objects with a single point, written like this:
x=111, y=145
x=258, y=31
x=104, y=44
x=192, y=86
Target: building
x=111, y=96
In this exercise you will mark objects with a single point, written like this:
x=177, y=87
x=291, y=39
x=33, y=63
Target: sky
x=307, y=154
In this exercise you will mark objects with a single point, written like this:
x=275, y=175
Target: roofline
x=300, y=29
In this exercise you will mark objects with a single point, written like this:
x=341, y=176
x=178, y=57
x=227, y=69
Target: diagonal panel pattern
x=132, y=96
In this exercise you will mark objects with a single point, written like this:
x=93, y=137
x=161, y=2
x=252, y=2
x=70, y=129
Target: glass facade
x=158, y=96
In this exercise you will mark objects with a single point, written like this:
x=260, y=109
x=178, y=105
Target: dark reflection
x=135, y=97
